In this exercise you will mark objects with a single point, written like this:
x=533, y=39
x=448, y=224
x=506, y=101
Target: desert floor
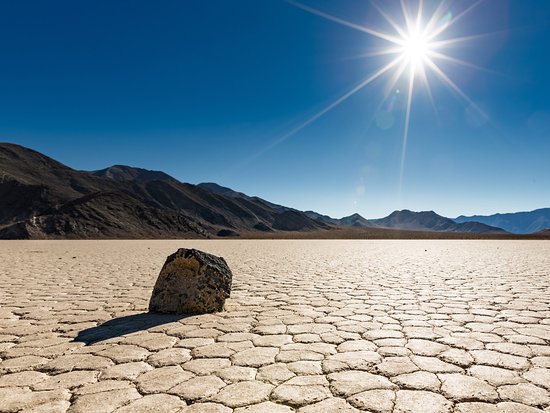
x=312, y=326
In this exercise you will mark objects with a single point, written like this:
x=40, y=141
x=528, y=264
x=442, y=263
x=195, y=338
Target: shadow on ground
x=125, y=325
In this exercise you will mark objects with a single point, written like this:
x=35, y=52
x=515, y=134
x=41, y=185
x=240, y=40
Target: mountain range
x=430, y=221
x=42, y=198
x=516, y=223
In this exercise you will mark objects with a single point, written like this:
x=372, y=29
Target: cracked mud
x=311, y=326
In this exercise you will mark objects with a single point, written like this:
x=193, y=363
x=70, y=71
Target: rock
x=191, y=281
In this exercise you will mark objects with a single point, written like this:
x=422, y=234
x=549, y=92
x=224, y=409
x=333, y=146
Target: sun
x=417, y=43
x=415, y=50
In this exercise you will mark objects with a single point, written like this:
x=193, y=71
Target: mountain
x=516, y=223
x=128, y=173
x=42, y=198
x=354, y=220
x=325, y=219
x=222, y=190
x=430, y=221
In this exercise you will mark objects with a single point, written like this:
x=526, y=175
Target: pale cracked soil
x=311, y=327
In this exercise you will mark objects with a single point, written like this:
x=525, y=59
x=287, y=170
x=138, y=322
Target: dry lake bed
x=311, y=326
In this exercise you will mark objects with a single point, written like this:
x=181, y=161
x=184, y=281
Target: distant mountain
x=516, y=222
x=430, y=221
x=354, y=220
x=42, y=198
x=545, y=232
x=405, y=219
x=425, y=221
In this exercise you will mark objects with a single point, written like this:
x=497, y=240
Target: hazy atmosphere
x=237, y=93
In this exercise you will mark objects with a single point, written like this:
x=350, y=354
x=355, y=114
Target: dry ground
x=341, y=233
x=423, y=326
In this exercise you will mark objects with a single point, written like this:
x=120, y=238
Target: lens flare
x=416, y=49
x=417, y=46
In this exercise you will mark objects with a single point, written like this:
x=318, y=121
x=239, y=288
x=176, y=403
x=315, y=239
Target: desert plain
x=385, y=326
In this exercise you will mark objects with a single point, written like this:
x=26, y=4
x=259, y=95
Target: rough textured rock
x=191, y=281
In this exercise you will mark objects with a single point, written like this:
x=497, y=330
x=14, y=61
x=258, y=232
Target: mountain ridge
x=429, y=220
x=131, y=173
x=43, y=198
x=523, y=222
x=355, y=220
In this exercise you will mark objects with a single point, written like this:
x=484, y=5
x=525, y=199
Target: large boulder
x=191, y=281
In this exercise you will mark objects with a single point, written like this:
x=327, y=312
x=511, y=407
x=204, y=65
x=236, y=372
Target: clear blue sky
x=202, y=89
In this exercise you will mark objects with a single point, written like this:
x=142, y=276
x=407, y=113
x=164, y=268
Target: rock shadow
x=120, y=326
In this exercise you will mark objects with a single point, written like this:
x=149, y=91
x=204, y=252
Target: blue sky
x=203, y=89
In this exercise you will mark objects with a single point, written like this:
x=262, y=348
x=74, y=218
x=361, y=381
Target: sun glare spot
x=415, y=49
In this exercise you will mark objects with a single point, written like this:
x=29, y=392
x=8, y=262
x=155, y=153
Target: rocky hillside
x=42, y=198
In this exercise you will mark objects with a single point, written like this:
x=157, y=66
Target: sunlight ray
x=395, y=78
x=439, y=30
x=447, y=81
x=405, y=11
x=406, y=131
x=424, y=77
x=382, y=52
x=437, y=15
x=457, y=40
x=346, y=23
x=331, y=106
x=451, y=59
x=388, y=89
x=419, y=15
x=391, y=22
x=418, y=45
x=390, y=85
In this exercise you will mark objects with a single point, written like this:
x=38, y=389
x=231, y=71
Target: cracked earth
x=311, y=326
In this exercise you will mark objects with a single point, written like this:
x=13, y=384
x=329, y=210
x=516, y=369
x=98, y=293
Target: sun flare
x=418, y=43
x=415, y=50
